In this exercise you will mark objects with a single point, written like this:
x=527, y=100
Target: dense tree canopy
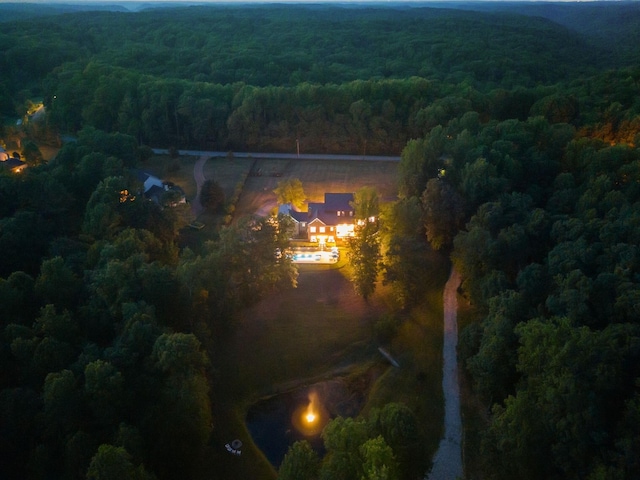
x=102, y=372
x=519, y=151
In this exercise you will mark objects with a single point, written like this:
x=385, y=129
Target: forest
x=518, y=129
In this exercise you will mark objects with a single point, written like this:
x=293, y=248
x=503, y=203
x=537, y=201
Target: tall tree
x=364, y=258
x=443, y=213
x=366, y=204
x=211, y=196
x=290, y=191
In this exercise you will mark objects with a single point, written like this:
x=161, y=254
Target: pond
x=278, y=422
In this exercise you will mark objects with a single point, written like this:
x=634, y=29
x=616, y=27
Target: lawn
x=319, y=330
x=317, y=177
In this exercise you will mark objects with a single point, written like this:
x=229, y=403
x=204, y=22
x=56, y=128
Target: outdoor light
x=310, y=418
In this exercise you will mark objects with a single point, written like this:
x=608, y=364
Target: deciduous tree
x=300, y=462
x=290, y=191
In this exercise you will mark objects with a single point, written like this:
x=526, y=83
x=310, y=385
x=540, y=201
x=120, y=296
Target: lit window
x=313, y=238
x=322, y=229
x=312, y=229
x=339, y=212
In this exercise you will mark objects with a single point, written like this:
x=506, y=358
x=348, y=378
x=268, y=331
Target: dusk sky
x=293, y=1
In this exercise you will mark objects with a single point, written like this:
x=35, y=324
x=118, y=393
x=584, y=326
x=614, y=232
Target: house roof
x=14, y=163
x=299, y=216
x=154, y=191
x=327, y=212
x=338, y=201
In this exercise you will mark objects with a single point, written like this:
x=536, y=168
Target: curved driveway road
x=447, y=463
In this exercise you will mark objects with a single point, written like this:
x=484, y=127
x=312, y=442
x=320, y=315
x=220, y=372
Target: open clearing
x=322, y=328
x=317, y=177
x=262, y=177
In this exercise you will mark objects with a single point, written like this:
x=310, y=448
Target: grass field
x=317, y=177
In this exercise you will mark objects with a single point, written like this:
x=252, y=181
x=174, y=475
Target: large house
x=326, y=222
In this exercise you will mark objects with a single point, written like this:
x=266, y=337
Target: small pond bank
x=277, y=422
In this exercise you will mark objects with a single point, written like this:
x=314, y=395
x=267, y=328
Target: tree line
x=339, y=80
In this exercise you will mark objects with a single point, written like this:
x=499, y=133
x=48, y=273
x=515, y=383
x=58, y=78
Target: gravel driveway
x=447, y=463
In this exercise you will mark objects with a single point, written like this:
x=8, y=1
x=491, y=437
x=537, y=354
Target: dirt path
x=198, y=176
x=447, y=463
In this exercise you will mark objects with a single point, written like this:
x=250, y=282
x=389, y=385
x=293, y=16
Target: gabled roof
x=338, y=202
x=327, y=212
x=154, y=191
x=286, y=209
x=14, y=163
x=299, y=216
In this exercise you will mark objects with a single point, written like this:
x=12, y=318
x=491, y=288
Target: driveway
x=447, y=463
x=285, y=156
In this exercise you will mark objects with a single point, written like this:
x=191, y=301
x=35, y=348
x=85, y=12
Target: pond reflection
x=310, y=418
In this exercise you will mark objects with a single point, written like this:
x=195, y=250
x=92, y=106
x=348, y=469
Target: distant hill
x=614, y=25
x=11, y=12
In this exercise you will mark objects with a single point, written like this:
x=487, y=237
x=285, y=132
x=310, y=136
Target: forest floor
x=447, y=463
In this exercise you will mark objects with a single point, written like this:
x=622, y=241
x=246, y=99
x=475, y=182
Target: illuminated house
x=332, y=220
